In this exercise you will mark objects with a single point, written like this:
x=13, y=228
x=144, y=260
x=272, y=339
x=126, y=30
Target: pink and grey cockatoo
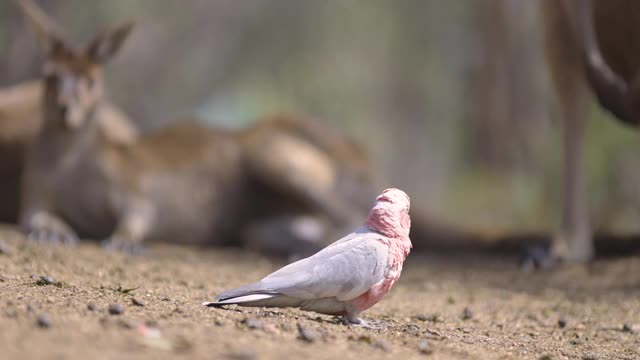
x=345, y=278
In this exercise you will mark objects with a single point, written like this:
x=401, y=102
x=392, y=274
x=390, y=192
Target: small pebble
x=92, y=307
x=116, y=309
x=136, y=302
x=627, y=327
x=424, y=347
x=577, y=341
x=590, y=356
x=467, y=314
x=428, y=317
x=43, y=321
x=219, y=322
x=306, y=334
x=562, y=322
x=253, y=323
x=45, y=280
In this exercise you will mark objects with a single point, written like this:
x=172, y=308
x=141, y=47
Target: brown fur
x=20, y=120
x=589, y=45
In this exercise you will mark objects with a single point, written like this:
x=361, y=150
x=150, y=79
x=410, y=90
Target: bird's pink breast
x=375, y=294
x=398, y=251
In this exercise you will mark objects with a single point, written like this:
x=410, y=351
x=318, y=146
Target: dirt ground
x=55, y=304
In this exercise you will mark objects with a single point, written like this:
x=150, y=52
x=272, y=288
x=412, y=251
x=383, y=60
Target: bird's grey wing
x=344, y=270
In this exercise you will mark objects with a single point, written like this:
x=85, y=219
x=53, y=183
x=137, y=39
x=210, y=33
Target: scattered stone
x=412, y=329
x=546, y=357
x=306, y=334
x=424, y=347
x=43, y=321
x=116, y=309
x=627, y=327
x=428, y=317
x=576, y=341
x=45, y=280
x=92, y=307
x=253, y=323
x=219, y=322
x=562, y=322
x=467, y=314
x=30, y=308
x=591, y=356
x=51, y=299
x=137, y=302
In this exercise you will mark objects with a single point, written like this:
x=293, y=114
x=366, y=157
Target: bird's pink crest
x=390, y=214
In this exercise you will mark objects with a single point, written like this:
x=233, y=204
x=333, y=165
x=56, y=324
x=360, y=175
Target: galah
x=345, y=278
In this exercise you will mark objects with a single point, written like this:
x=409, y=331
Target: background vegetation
x=451, y=98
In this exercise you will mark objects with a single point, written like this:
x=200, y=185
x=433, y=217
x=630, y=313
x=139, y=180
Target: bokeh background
x=451, y=98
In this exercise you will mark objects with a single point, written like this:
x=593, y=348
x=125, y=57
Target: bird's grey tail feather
x=251, y=289
x=244, y=294
x=255, y=294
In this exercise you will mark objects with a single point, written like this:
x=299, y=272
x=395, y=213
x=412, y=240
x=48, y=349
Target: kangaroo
x=186, y=183
x=588, y=48
x=20, y=121
x=78, y=182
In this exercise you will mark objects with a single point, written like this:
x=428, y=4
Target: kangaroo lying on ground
x=589, y=44
x=186, y=183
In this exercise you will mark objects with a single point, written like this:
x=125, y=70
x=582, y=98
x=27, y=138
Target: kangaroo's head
x=73, y=77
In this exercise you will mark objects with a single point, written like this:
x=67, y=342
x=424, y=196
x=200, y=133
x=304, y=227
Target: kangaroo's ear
x=48, y=33
x=107, y=44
